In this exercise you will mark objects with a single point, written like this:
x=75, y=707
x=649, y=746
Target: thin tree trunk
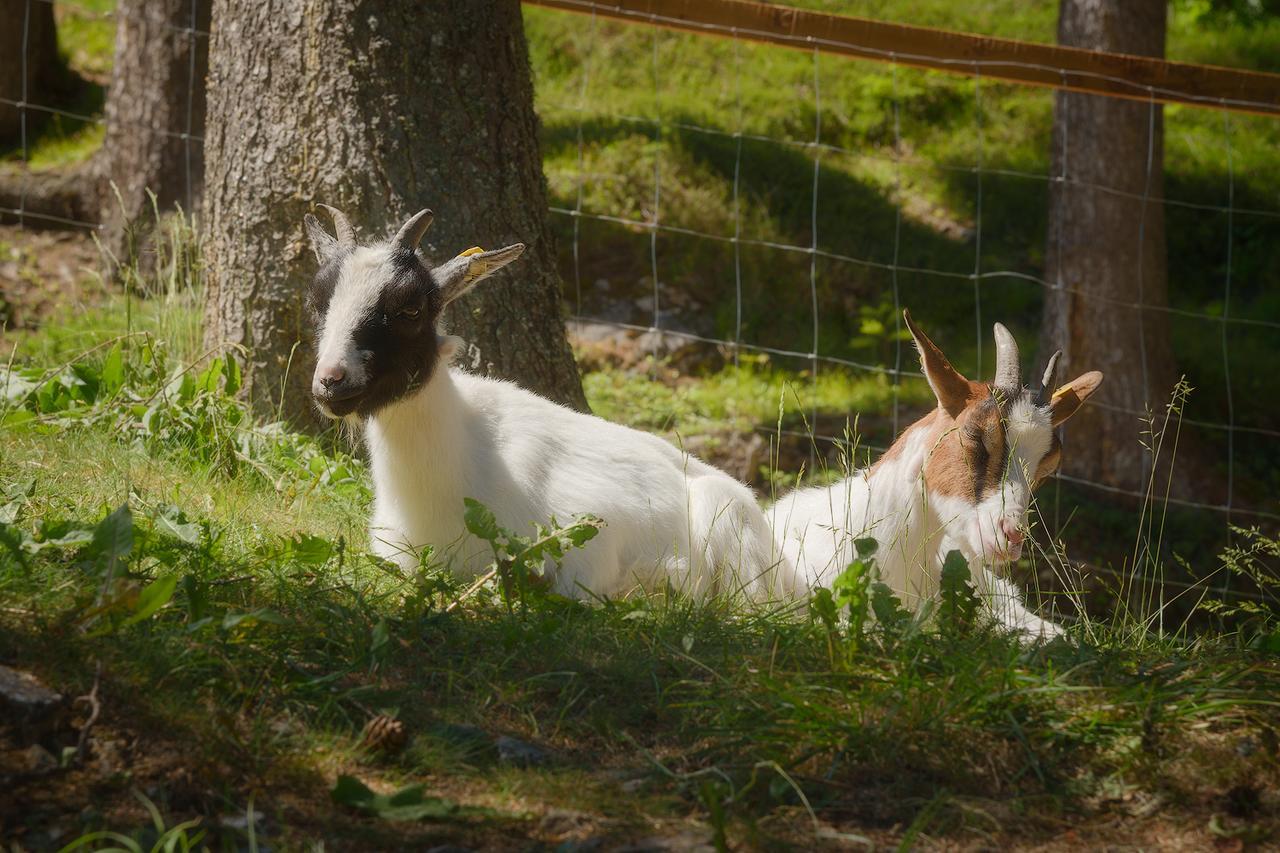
x=1106, y=247
x=30, y=70
x=381, y=111
x=155, y=112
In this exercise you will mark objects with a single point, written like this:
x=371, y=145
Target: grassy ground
x=241, y=640
x=626, y=106
x=203, y=575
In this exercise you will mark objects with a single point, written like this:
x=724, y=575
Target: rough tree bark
x=379, y=110
x=1106, y=247
x=27, y=32
x=155, y=109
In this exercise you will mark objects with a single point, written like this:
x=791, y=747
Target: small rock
x=37, y=759
x=449, y=848
x=469, y=738
x=28, y=704
x=518, y=753
x=684, y=843
x=109, y=754
x=562, y=821
x=631, y=786
x=240, y=821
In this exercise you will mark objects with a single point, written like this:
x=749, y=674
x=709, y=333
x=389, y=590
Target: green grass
x=244, y=637
x=86, y=35
x=689, y=85
x=86, y=45
x=664, y=104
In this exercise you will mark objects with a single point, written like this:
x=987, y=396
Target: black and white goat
x=436, y=435
x=959, y=478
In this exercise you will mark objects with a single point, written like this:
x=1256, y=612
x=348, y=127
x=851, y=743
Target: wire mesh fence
x=893, y=263
x=822, y=226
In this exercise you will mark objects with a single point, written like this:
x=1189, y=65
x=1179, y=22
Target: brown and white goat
x=960, y=478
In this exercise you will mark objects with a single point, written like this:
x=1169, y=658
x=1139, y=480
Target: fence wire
x=897, y=158
x=816, y=149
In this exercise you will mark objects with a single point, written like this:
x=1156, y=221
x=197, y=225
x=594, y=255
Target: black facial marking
x=397, y=335
x=985, y=443
x=322, y=285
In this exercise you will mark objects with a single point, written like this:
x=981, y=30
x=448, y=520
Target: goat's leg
x=1004, y=602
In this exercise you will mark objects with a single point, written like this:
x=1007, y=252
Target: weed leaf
x=112, y=377
x=959, y=601
x=480, y=521
x=409, y=803
x=153, y=596
x=113, y=537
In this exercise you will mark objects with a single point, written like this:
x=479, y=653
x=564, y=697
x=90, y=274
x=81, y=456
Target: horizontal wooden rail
x=1118, y=75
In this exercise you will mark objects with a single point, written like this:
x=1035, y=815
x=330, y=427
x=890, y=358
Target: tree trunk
x=28, y=43
x=1106, y=247
x=155, y=112
x=379, y=110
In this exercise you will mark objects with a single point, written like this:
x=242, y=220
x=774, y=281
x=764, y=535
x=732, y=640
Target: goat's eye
x=409, y=313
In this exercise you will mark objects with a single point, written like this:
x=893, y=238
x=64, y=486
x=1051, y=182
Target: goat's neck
x=897, y=503
x=418, y=446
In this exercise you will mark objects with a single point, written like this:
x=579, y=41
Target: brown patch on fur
x=956, y=465
x=968, y=458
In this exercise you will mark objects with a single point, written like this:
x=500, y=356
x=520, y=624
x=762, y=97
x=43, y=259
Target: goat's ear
x=322, y=243
x=1069, y=399
x=473, y=266
x=951, y=389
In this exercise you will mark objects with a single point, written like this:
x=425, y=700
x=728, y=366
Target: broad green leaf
x=481, y=522
x=188, y=531
x=379, y=637
x=231, y=378
x=350, y=791
x=888, y=610
x=409, y=803
x=153, y=596
x=959, y=601
x=253, y=617
x=75, y=538
x=208, y=379
x=113, y=537
x=584, y=531
x=1268, y=642
x=308, y=550
x=823, y=606
x=14, y=540
x=112, y=378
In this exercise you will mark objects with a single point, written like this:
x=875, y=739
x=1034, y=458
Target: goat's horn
x=1008, y=373
x=410, y=234
x=1050, y=379
x=345, y=233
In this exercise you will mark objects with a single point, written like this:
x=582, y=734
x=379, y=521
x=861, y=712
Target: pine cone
x=384, y=734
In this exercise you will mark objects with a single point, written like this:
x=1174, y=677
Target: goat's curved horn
x=342, y=226
x=410, y=234
x=1050, y=380
x=1008, y=373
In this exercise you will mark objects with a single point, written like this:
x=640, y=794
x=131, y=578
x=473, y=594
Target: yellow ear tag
x=477, y=267
x=1064, y=389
